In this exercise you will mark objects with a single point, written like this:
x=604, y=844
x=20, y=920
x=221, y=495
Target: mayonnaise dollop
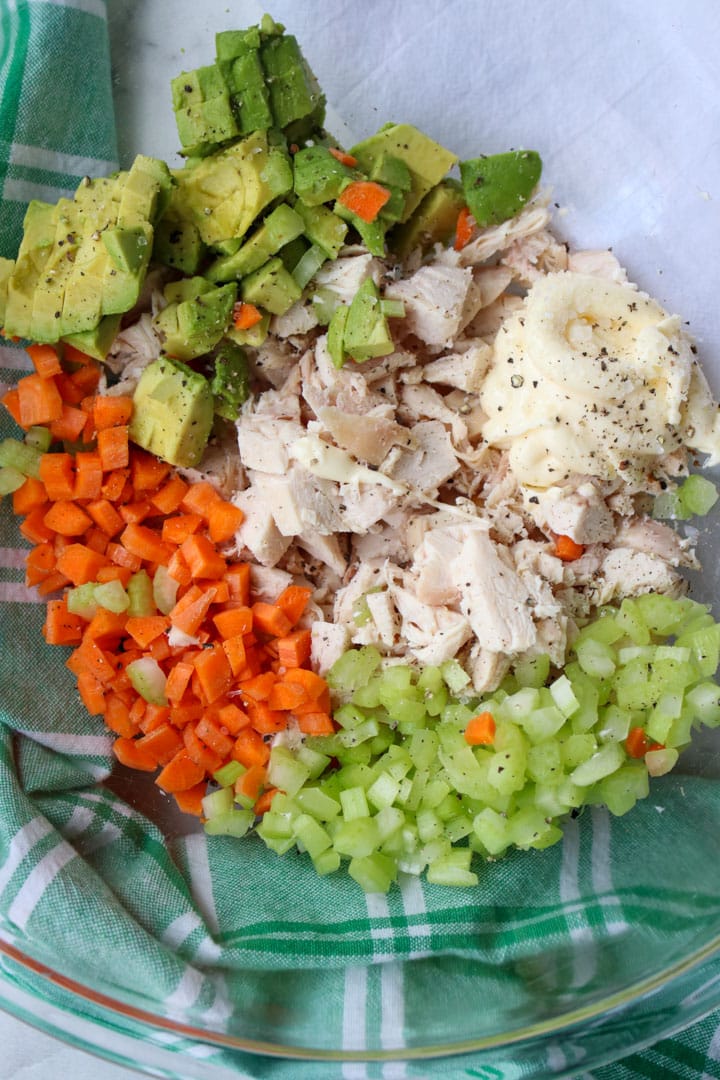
x=591, y=376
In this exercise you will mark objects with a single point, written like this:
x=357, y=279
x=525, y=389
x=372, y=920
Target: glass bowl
x=629, y=153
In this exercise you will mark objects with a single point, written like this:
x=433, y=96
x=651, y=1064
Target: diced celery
x=368, y=697
x=279, y=846
x=533, y=671
x=349, y=716
x=218, y=802
x=39, y=437
x=614, y=724
x=429, y=825
x=312, y=760
x=308, y=265
x=383, y=792
x=704, y=645
x=435, y=702
x=354, y=803
x=311, y=835
x=542, y=724
x=697, y=495
x=604, y=761
x=659, y=762
x=357, y=838
x=577, y=748
x=564, y=696
x=228, y=774
x=355, y=775
x=140, y=591
x=327, y=863
x=164, y=590
x=455, y=676
x=407, y=711
x=360, y=734
x=354, y=668
x=458, y=827
x=661, y=614
x=10, y=479
x=373, y=873
x=452, y=869
x=527, y=827
x=285, y=771
x=668, y=507
x=520, y=705
x=423, y=748
x=605, y=630
x=19, y=455
x=622, y=789
x=463, y=771
x=389, y=821
x=630, y=620
x=148, y=679
x=681, y=730
x=595, y=658
x=276, y=826
x=392, y=309
x=233, y=823
x=492, y=830
x=111, y=596
x=544, y=762
x=632, y=686
x=704, y=703
x=81, y=600
x=434, y=792
x=410, y=796
x=315, y=802
x=456, y=716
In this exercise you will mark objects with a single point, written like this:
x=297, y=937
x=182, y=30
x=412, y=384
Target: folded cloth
x=220, y=933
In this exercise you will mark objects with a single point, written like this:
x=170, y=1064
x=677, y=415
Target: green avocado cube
x=176, y=292
x=97, y=342
x=230, y=383
x=130, y=248
x=143, y=192
x=271, y=287
x=35, y=247
x=366, y=334
x=249, y=96
x=391, y=172
x=6, y=269
x=293, y=89
x=322, y=228
x=293, y=252
x=190, y=88
x=427, y=161
x=372, y=233
x=172, y=412
x=279, y=228
x=318, y=176
x=394, y=208
x=336, y=335
x=434, y=221
x=194, y=322
x=254, y=336
x=232, y=43
x=497, y=187
x=177, y=243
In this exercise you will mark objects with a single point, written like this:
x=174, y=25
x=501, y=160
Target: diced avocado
x=271, y=287
x=293, y=252
x=372, y=233
x=323, y=228
x=97, y=342
x=226, y=191
x=308, y=265
x=238, y=59
x=394, y=208
x=144, y=193
x=85, y=294
x=278, y=229
x=497, y=187
x=294, y=93
x=35, y=248
x=392, y=172
x=97, y=201
x=253, y=337
x=230, y=383
x=433, y=222
x=6, y=268
x=318, y=176
x=177, y=243
x=232, y=43
x=366, y=332
x=195, y=318
x=172, y=412
x=129, y=248
x=336, y=335
x=203, y=112
x=427, y=160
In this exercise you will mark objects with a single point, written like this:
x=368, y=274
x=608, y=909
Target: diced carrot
x=80, y=563
x=175, y=530
x=96, y=540
x=129, y=754
x=236, y=653
x=251, y=782
x=161, y=744
x=117, y=717
x=213, y=737
x=313, y=684
x=120, y=556
x=200, y=497
x=34, y=529
x=637, y=743
x=237, y=577
x=270, y=619
x=294, y=649
x=39, y=401
x=67, y=518
x=153, y=717
x=113, y=485
x=105, y=627
x=113, y=448
x=264, y=803
x=214, y=672
x=86, y=379
x=159, y=648
x=182, y=714
x=224, y=520
x=316, y=723
x=144, y=629
x=342, y=157
x=145, y=542
x=232, y=718
x=190, y=801
x=480, y=731
x=88, y=475
x=45, y=360
x=200, y=753
x=69, y=391
x=177, y=681
x=61, y=627
x=91, y=693
x=95, y=660
x=39, y=563
x=112, y=411
x=114, y=573
x=250, y=748
x=286, y=696
x=147, y=472
x=190, y=610
x=321, y=704
x=70, y=424
x=464, y=228
x=57, y=472
x=11, y=401
x=203, y=561
x=264, y=719
x=77, y=358
x=52, y=584
x=567, y=550
x=26, y=498
x=105, y=516
x=245, y=315
x=168, y=498
x=259, y=687
x=180, y=774
x=364, y=198
x=218, y=587
x=178, y=569
x=233, y=622
x=293, y=600
x=134, y=513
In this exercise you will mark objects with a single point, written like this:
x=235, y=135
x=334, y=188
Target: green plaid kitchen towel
x=220, y=932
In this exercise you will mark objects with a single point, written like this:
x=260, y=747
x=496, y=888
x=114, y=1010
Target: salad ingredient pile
x=348, y=484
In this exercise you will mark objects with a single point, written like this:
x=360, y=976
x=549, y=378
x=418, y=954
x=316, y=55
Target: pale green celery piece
x=453, y=869
x=404, y=791
x=141, y=599
x=311, y=835
x=704, y=645
x=316, y=803
x=551, y=800
x=458, y=827
x=463, y=771
x=703, y=702
x=449, y=807
x=527, y=827
x=410, y=797
x=622, y=789
x=357, y=753
x=381, y=742
x=19, y=455
x=603, y=762
x=605, y=629
x=668, y=506
x=564, y=696
x=430, y=678
x=111, y=596
x=542, y=724
x=357, y=838
x=360, y=734
x=436, y=702
x=10, y=480
x=533, y=671
x=315, y=762
x=81, y=600
x=368, y=697
x=39, y=437
x=383, y=791
x=164, y=590
x=434, y=792
x=354, y=775
x=389, y=821
x=614, y=724
x=595, y=658
x=457, y=715
x=681, y=730
x=285, y=771
x=451, y=737
x=327, y=863
x=544, y=762
x=228, y=774
x=148, y=679
x=519, y=705
x=233, y=823
x=629, y=619
x=354, y=803
x=661, y=614
x=279, y=846
x=492, y=830
x=276, y=826
x=578, y=748
x=353, y=669
x=406, y=710
x=429, y=825
x=349, y=716
x=373, y=873
x=423, y=747
x=636, y=652
x=697, y=496
x=308, y=265
x=435, y=849
x=218, y=802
